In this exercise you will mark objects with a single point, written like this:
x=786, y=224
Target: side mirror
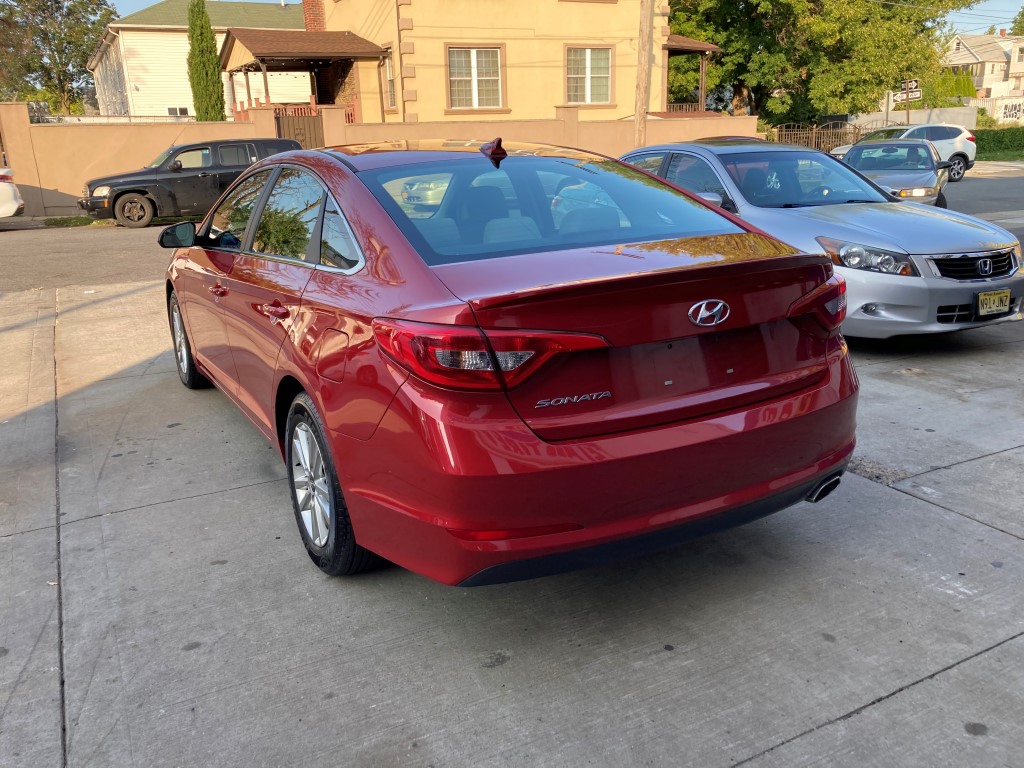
x=175, y=166
x=181, y=235
x=711, y=197
x=944, y=164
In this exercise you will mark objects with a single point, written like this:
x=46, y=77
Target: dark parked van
x=184, y=180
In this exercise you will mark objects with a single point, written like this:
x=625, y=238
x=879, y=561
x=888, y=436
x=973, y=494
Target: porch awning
x=291, y=49
x=688, y=44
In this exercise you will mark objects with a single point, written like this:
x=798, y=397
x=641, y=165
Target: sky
x=975, y=21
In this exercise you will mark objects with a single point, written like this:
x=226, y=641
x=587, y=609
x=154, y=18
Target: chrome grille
x=966, y=267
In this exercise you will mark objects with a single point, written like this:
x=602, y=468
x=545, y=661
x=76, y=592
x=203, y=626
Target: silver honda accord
x=909, y=268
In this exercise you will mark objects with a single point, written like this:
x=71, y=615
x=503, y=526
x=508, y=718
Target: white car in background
x=11, y=203
x=954, y=143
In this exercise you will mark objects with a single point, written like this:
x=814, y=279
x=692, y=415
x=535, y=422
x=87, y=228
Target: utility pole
x=643, y=72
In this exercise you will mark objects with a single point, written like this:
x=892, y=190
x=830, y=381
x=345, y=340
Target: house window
x=474, y=78
x=389, y=68
x=1020, y=55
x=177, y=111
x=589, y=75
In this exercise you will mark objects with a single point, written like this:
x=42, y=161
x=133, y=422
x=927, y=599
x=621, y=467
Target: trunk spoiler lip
x=634, y=279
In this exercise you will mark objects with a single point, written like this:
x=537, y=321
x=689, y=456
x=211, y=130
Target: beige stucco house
x=140, y=65
x=408, y=61
x=995, y=63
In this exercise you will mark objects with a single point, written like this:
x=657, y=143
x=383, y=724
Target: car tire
x=940, y=201
x=316, y=494
x=133, y=210
x=183, y=360
x=958, y=167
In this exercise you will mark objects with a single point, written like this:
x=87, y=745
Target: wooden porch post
x=266, y=84
x=248, y=90
x=702, y=99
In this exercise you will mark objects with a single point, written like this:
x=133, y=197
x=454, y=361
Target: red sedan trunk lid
x=660, y=365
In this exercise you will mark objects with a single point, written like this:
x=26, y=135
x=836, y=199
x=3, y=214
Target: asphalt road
x=157, y=607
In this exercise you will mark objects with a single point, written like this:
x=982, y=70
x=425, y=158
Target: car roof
x=894, y=142
x=384, y=154
x=219, y=142
x=728, y=147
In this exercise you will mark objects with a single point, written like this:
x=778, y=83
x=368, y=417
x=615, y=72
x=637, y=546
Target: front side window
x=588, y=75
x=474, y=78
x=693, y=173
x=195, y=158
x=228, y=223
x=650, y=162
x=290, y=215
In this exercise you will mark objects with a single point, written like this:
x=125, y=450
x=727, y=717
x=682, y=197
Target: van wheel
x=133, y=210
x=319, y=505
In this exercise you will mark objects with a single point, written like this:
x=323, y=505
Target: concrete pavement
x=157, y=608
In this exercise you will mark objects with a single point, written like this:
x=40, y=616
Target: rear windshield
x=467, y=209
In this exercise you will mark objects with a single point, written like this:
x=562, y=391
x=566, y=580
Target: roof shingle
x=174, y=13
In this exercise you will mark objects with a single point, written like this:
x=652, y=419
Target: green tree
x=1018, y=23
x=204, y=64
x=794, y=60
x=45, y=45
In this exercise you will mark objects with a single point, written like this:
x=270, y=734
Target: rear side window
x=465, y=210
x=229, y=220
x=290, y=215
x=337, y=245
x=233, y=154
x=266, y=149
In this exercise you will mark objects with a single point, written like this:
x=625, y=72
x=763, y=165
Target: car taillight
x=970, y=137
x=464, y=357
x=5, y=177
x=827, y=303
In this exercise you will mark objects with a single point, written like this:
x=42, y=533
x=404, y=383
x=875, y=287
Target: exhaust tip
x=824, y=488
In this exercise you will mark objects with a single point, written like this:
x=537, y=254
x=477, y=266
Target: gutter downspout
x=396, y=58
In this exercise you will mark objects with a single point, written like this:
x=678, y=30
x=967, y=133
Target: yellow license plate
x=993, y=302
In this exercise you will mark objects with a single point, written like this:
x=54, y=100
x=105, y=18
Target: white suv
x=953, y=143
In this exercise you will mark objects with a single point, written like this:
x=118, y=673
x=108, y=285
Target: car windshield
x=794, y=179
x=160, y=158
x=889, y=157
x=466, y=209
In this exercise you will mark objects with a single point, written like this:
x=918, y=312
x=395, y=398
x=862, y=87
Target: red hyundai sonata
x=555, y=360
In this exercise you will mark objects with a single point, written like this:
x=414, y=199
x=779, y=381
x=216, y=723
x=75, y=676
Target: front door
x=193, y=183
x=265, y=288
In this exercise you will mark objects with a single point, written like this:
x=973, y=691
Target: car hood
x=120, y=179
x=907, y=227
x=902, y=179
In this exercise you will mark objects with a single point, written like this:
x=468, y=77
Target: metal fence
x=828, y=136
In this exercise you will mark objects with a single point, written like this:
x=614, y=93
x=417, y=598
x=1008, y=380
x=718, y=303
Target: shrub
x=1000, y=139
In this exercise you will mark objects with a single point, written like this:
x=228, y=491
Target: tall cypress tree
x=204, y=64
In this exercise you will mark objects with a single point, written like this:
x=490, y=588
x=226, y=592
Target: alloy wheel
x=311, y=484
x=180, y=345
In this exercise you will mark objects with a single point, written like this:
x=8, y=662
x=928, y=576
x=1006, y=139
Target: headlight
x=101, y=192
x=856, y=256
x=917, y=192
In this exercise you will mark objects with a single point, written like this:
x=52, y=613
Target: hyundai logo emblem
x=984, y=266
x=709, y=312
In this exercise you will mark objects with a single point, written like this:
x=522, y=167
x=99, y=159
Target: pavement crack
x=854, y=712
x=60, y=572
x=962, y=514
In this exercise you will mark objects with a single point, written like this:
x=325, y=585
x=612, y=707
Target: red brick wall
x=313, y=12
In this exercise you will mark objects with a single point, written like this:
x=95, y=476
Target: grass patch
x=1001, y=154
x=72, y=221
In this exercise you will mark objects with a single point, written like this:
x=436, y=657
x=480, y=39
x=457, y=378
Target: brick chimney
x=1002, y=33
x=313, y=14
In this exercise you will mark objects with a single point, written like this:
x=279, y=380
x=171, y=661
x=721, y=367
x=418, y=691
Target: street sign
x=909, y=85
x=900, y=96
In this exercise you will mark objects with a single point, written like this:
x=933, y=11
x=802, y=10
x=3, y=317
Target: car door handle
x=218, y=290
x=203, y=175
x=276, y=311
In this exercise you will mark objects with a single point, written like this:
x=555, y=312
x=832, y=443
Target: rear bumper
x=431, y=469
x=96, y=207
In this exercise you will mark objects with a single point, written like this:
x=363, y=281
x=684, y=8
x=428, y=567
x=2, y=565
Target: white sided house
x=141, y=64
x=996, y=65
